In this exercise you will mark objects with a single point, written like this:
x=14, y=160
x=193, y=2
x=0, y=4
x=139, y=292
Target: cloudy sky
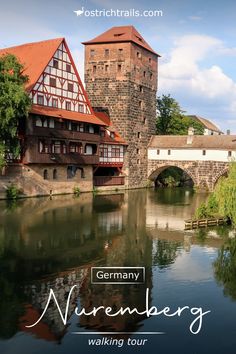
x=196, y=39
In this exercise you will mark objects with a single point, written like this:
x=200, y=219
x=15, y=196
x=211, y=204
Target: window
x=58, y=147
x=158, y=152
x=53, y=82
x=106, y=68
x=138, y=151
x=68, y=106
x=88, y=150
x=81, y=108
x=74, y=147
x=120, y=51
x=149, y=60
x=169, y=152
x=45, y=123
x=139, y=135
x=106, y=52
x=70, y=87
x=55, y=63
x=94, y=69
x=151, y=76
x=144, y=121
x=141, y=88
x=92, y=53
x=40, y=99
x=140, y=104
x=81, y=127
x=104, y=152
x=91, y=129
x=71, y=172
x=139, y=55
x=43, y=147
x=54, y=174
x=119, y=68
x=112, y=135
x=68, y=68
x=74, y=126
x=115, y=152
x=55, y=102
x=38, y=122
x=203, y=152
x=102, y=133
x=229, y=153
x=45, y=174
x=51, y=123
x=144, y=74
x=138, y=162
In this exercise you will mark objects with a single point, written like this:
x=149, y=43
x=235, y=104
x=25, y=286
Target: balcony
x=108, y=180
x=63, y=134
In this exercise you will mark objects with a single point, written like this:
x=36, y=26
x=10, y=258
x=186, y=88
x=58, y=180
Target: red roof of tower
x=122, y=34
x=34, y=56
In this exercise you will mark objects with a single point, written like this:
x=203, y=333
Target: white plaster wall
x=190, y=155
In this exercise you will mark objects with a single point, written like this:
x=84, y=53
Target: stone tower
x=121, y=76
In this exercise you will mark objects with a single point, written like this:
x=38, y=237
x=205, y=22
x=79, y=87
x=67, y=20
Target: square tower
x=121, y=76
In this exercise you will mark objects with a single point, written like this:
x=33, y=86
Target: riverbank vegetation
x=222, y=202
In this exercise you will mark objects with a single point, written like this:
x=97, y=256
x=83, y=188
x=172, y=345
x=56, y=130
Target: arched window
x=45, y=174
x=54, y=174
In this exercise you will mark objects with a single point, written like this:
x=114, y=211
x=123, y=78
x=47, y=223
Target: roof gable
x=34, y=57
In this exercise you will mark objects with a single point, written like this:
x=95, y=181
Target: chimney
x=190, y=135
x=228, y=132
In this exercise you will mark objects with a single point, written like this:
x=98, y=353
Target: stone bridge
x=204, y=174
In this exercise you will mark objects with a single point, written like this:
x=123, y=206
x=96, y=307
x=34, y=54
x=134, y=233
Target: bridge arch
x=156, y=171
x=223, y=173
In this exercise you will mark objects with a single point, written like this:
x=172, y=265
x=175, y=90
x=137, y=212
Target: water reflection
x=53, y=243
x=225, y=267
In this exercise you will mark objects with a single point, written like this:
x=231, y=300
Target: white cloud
x=186, y=75
x=195, y=18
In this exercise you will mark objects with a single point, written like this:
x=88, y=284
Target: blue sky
x=196, y=39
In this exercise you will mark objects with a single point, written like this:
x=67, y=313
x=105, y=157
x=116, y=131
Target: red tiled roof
x=34, y=57
x=215, y=142
x=107, y=139
x=206, y=123
x=62, y=113
x=122, y=34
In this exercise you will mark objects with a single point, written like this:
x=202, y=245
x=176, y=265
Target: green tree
x=171, y=119
x=14, y=105
x=222, y=200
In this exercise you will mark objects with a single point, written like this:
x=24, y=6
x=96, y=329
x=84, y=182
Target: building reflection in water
x=52, y=244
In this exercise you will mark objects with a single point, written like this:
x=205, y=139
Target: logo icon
x=79, y=12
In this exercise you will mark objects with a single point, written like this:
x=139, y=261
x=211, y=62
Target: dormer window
x=112, y=135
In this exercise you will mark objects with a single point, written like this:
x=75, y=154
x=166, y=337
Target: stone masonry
x=204, y=174
x=122, y=78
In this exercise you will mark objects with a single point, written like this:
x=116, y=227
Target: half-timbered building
x=63, y=140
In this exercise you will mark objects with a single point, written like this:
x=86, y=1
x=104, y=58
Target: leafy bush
x=12, y=192
x=76, y=191
x=202, y=212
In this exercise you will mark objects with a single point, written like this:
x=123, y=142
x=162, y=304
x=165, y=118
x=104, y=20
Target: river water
x=53, y=243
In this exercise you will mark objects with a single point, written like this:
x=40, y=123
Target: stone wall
x=205, y=174
x=125, y=84
x=29, y=178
